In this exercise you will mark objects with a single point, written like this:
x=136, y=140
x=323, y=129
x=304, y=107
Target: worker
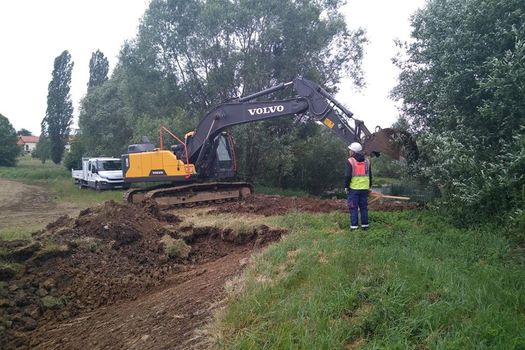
x=358, y=181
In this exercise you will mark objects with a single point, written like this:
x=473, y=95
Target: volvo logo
x=266, y=110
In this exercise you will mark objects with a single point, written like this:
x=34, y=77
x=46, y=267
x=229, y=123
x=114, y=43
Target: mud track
x=29, y=205
x=279, y=205
x=168, y=318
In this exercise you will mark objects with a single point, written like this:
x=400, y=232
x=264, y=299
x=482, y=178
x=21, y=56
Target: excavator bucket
x=396, y=144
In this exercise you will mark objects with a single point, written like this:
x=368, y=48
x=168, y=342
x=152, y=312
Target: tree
x=59, y=113
x=220, y=49
x=462, y=86
x=24, y=132
x=98, y=69
x=73, y=158
x=216, y=50
x=103, y=121
x=9, y=150
x=191, y=55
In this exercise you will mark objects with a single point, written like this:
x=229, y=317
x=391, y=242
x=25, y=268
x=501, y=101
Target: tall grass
x=31, y=169
x=65, y=190
x=411, y=282
x=268, y=190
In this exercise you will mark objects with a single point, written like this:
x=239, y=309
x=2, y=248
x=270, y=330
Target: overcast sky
x=34, y=32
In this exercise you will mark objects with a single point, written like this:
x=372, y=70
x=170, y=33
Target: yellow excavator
x=195, y=170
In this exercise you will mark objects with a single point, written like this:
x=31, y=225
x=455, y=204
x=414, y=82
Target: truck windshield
x=109, y=165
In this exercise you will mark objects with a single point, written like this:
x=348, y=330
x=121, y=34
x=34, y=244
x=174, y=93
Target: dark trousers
x=358, y=199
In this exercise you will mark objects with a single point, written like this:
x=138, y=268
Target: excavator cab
x=221, y=161
x=225, y=163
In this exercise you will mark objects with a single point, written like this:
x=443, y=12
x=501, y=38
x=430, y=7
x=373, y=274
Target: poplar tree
x=98, y=69
x=59, y=113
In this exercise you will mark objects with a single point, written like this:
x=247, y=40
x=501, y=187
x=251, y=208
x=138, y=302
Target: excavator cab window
x=178, y=150
x=223, y=153
x=223, y=163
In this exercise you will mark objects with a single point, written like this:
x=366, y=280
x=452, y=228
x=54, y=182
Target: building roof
x=27, y=139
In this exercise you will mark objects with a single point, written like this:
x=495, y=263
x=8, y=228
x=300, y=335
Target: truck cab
x=100, y=173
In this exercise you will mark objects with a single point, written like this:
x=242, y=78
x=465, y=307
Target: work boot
x=364, y=227
x=353, y=228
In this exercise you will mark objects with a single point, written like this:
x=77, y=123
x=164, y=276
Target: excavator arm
x=311, y=100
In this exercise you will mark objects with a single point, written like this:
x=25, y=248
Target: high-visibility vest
x=360, y=174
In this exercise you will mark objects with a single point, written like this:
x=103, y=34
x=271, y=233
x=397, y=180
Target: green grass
x=18, y=232
x=261, y=189
x=50, y=302
x=30, y=169
x=66, y=191
x=11, y=266
x=380, y=181
x=411, y=282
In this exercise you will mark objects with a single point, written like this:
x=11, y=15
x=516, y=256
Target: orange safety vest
x=360, y=174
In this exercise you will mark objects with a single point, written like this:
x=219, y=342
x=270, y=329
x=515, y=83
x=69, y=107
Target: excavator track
x=190, y=195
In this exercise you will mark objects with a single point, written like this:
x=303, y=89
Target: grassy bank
x=18, y=232
x=411, y=282
x=30, y=169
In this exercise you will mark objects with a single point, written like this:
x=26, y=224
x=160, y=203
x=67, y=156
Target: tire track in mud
x=167, y=318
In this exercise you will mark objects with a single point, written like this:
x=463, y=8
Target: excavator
x=196, y=168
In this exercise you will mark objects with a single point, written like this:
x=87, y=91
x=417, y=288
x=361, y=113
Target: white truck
x=100, y=173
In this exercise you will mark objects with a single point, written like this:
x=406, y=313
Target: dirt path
x=168, y=318
x=29, y=205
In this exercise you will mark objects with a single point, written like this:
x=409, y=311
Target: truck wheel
x=97, y=186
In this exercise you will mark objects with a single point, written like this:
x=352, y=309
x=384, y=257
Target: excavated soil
x=279, y=205
x=122, y=276
x=79, y=280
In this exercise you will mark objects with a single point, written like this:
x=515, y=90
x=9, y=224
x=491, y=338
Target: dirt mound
x=279, y=205
x=107, y=254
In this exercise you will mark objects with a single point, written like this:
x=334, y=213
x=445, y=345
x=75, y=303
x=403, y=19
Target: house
x=28, y=143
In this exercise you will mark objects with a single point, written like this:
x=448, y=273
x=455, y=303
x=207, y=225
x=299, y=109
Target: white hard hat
x=355, y=147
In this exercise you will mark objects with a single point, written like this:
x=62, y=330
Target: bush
x=73, y=159
x=465, y=100
x=475, y=188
